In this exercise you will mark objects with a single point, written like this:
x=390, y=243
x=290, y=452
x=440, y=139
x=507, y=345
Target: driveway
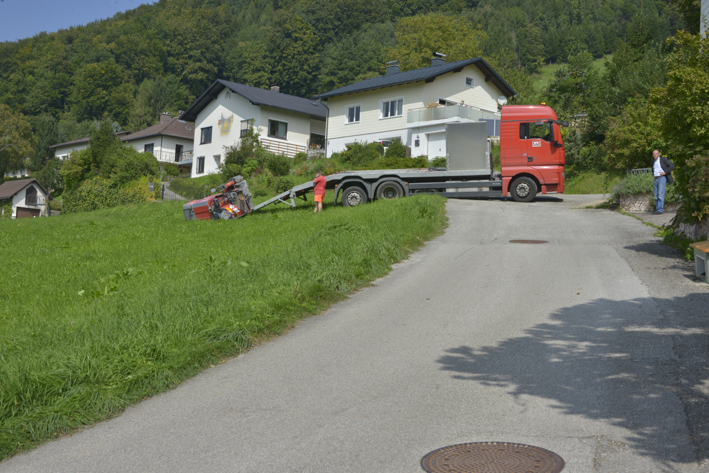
x=592, y=345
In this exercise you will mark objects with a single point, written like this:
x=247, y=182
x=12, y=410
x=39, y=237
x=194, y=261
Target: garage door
x=23, y=212
x=436, y=145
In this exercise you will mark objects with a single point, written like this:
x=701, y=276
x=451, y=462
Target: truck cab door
x=541, y=147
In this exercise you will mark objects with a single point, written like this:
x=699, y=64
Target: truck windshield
x=528, y=131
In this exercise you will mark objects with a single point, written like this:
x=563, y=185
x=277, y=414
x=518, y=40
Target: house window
x=392, y=108
x=178, y=153
x=445, y=102
x=206, y=136
x=470, y=82
x=352, y=114
x=277, y=129
x=245, y=125
x=200, y=165
x=148, y=148
x=317, y=141
x=31, y=196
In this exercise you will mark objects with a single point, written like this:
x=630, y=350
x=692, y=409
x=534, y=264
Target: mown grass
x=590, y=182
x=99, y=310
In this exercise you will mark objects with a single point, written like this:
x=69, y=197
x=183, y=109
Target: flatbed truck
x=532, y=161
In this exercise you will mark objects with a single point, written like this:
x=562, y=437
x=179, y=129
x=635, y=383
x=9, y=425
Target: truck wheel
x=353, y=196
x=523, y=189
x=389, y=190
x=225, y=214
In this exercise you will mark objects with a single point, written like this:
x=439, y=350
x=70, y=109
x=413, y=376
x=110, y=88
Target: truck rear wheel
x=389, y=190
x=353, y=196
x=523, y=189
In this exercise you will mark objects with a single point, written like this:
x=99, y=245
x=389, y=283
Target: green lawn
x=590, y=182
x=547, y=71
x=99, y=310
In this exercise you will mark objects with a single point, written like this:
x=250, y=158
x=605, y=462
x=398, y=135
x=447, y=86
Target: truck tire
x=353, y=196
x=389, y=190
x=523, y=189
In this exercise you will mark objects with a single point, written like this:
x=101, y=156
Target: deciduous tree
x=16, y=140
x=418, y=37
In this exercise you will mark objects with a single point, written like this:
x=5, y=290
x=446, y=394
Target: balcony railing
x=34, y=200
x=169, y=156
x=451, y=111
x=286, y=148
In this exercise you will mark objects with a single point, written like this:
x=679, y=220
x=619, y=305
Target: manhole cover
x=492, y=457
x=529, y=242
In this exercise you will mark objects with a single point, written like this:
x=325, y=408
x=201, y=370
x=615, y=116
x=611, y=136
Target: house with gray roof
x=23, y=198
x=169, y=141
x=224, y=112
x=414, y=106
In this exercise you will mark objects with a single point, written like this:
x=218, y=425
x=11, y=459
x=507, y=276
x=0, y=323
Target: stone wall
x=642, y=203
x=635, y=203
x=694, y=230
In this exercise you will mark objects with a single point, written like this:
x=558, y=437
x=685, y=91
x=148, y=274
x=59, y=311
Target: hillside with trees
x=160, y=57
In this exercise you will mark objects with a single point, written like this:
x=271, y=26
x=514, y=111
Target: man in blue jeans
x=662, y=170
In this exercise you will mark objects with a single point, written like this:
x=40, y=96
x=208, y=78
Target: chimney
x=393, y=67
x=165, y=116
x=275, y=88
x=438, y=59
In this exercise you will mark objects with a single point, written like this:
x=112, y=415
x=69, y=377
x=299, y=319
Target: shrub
x=171, y=169
x=50, y=176
x=396, y=149
x=129, y=164
x=695, y=203
x=98, y=193
x=300, y=158
x=231, y=170
x=5, y=209
x=247, y=147
x=401, y=163
x=439, y=162
x=281, y=184
x=250, y=167
x=361, y=155
x=642, y=184
x=278, y=164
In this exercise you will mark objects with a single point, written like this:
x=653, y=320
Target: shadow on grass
x=636, y=364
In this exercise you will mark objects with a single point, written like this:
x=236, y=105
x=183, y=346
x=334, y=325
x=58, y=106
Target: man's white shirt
x=657, y=168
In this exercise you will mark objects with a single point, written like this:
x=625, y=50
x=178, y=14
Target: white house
x=287, y=125
x=63, y=150
x=27, y=198
x=170, y=141
x=704, y=17
x=414, y=106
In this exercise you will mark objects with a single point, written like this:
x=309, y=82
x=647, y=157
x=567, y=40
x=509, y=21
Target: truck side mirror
x=558, y=145
x=564, y=123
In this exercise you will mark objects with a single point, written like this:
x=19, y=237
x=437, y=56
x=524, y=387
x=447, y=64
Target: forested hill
x=161, y=56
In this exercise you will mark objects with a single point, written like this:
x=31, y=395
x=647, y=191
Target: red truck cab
x=531, y=149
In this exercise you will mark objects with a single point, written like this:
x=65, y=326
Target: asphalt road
x=593, y=345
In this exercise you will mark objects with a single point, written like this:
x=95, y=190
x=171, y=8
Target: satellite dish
x=502, y=100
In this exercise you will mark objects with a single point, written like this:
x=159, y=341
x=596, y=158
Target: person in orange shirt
x=319, y=191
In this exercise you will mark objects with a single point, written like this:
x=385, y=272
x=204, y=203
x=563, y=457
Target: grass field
x=590, y=182
x=547, y=71
x=99, y=310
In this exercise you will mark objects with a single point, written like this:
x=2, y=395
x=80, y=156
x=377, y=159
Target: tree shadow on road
x=636, y=364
